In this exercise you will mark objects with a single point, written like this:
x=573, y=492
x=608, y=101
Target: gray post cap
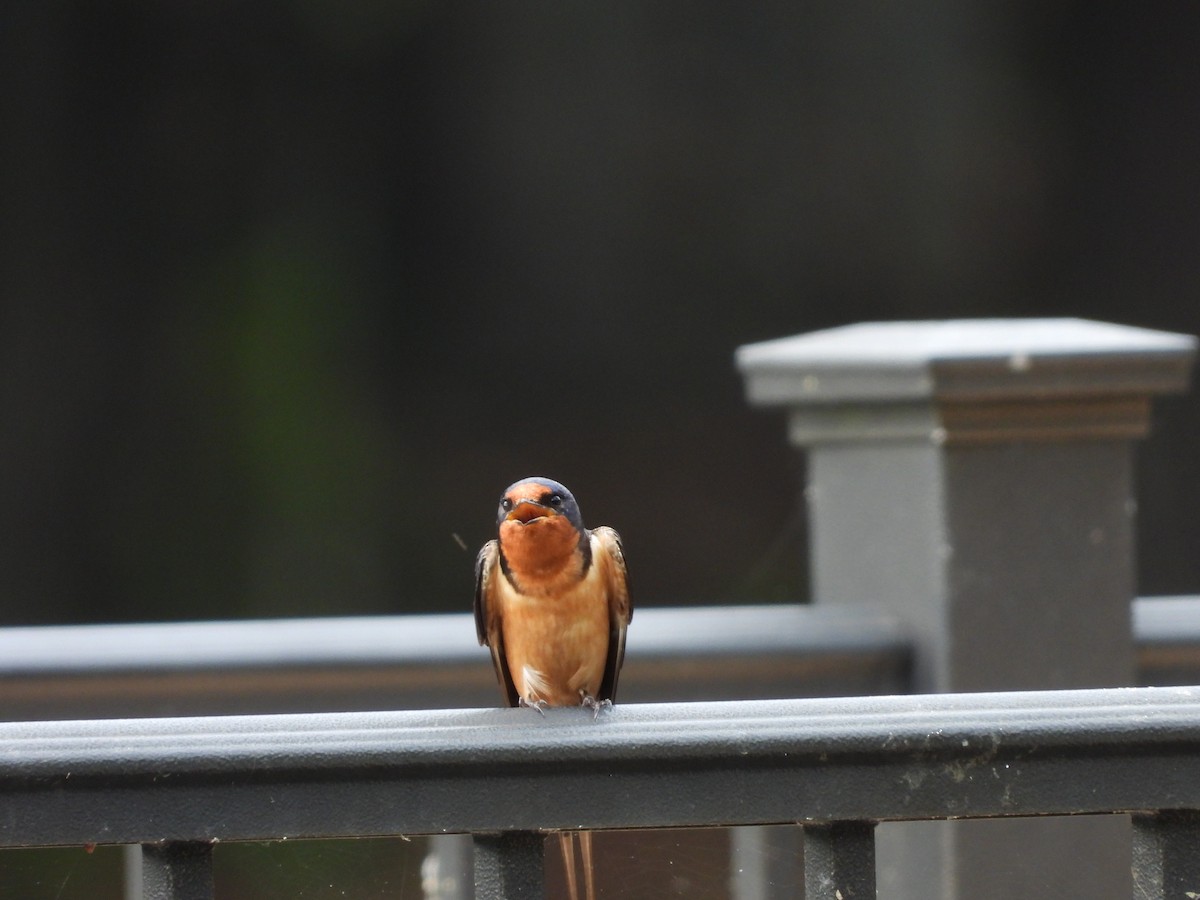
x=968, y=380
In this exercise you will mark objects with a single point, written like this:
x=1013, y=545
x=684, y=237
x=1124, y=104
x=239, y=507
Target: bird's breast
x=556, y=644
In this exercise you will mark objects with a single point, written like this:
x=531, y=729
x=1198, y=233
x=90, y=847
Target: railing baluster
x=1166, y=855
x=177, y=871
x=510, y=866
x=132, y=866
x=839, y=861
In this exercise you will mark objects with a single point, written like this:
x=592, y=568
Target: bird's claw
x=593, y=704
x=539, y=705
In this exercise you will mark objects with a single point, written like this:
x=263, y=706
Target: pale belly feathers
x=558, y=645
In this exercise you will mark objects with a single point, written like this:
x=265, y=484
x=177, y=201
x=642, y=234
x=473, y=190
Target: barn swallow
x=552, y=604
x=552, y=600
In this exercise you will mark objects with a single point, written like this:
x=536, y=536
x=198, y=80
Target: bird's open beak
x=525, y=511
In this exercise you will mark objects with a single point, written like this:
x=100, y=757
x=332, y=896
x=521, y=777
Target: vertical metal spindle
x=1166, y=855
x=132, y=864
x=177, y=871
x=510, y=866
x=839, y=861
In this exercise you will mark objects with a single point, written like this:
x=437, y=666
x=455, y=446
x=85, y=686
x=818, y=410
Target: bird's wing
x=487, y=616
x=620, y=607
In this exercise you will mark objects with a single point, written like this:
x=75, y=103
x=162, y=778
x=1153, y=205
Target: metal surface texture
x=1165, y=861
x=637, y=766
x=510, y=866
x=839, y=861
x=174, y=871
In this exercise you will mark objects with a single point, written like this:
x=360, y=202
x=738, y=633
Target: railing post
x=839, y=861
x=975, y=478
x=177, y=871
x=1166, y=855
x=510, y=866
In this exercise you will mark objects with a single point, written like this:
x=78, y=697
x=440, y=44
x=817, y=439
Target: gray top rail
x=637, y=765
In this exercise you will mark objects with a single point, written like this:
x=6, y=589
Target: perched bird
x=552, y=603
x=551, y=600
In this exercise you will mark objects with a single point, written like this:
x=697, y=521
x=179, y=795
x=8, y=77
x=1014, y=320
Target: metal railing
x=837, y=767
x=427, y=662
x=431, y=662
x=973, y=479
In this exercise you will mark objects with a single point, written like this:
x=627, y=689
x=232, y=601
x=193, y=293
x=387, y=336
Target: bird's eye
x=556, y=500
x=506, y=504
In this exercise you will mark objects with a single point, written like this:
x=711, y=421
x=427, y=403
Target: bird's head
x=543, y=544
x=539, y=501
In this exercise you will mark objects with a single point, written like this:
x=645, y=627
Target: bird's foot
x=539, y=705
x=593, y=704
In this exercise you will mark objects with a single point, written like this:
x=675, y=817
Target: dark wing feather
x=620, y=607
x=485, y=564
x=487, y=622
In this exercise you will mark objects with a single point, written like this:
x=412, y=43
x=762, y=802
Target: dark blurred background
x=291, y=291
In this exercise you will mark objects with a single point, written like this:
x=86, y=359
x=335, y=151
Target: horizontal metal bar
x=636, y=765
x=427, y=662
x=432, y=662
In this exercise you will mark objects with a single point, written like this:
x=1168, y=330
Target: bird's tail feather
x=566, y=841
x=589, y=870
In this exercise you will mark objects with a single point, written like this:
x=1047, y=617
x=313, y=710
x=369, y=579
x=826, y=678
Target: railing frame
x=973, y=477
x=835, y=766
x=976, y=477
